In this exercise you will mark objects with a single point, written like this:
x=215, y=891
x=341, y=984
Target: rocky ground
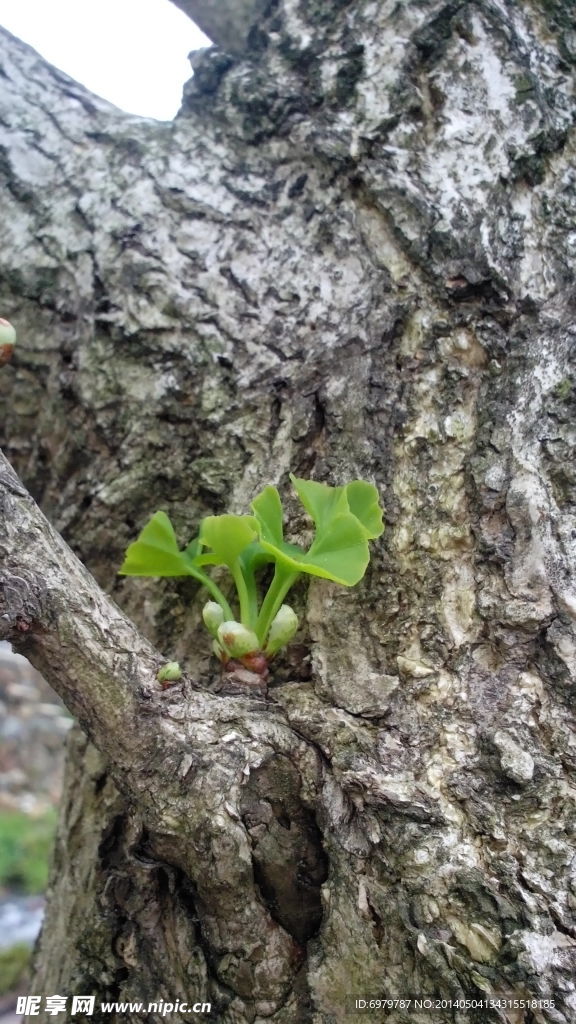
x=33, y=728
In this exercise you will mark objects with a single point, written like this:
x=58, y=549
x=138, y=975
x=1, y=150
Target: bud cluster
x=235, y=640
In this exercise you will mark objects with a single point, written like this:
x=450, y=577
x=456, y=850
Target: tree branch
x=53, y=611
x=226, y=22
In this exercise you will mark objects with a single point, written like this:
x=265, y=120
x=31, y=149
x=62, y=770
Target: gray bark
x=226, y=22
x=351, y=255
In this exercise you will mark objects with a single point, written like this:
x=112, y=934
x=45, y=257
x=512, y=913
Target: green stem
x=215, y=591
x=282, y=580
x=246, y=603
x=252, y=596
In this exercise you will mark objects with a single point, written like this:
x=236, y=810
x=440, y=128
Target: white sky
x=131, y=52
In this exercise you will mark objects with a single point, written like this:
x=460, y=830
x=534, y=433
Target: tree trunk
x=350, y=256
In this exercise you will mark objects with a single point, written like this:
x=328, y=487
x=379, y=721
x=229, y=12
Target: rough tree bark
x=351, y=255
x=227, y=22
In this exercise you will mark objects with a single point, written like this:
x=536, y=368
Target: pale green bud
x=213, y=616
x=283, y=628
x=169, y=672
x=236, y=639
x=7, y=333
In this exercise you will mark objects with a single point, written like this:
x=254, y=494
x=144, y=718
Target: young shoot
x=257, y=626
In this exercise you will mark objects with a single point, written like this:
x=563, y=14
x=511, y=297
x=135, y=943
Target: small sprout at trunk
x=249, y=632
x=169, y=673
x=7, y=341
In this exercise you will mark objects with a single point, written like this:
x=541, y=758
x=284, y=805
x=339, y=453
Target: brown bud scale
x=6, y=354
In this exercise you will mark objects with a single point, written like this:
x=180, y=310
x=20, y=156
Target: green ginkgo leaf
x=226, y=536
x=267, y=509
x=364, y=503
x=321, y=501
x=341, y=551
x=340, y=548
x=156, y=551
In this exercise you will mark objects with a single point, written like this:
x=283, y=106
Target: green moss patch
x=14, y=964
x=25, y=846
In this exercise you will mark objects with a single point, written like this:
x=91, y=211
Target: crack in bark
x=290, y=864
